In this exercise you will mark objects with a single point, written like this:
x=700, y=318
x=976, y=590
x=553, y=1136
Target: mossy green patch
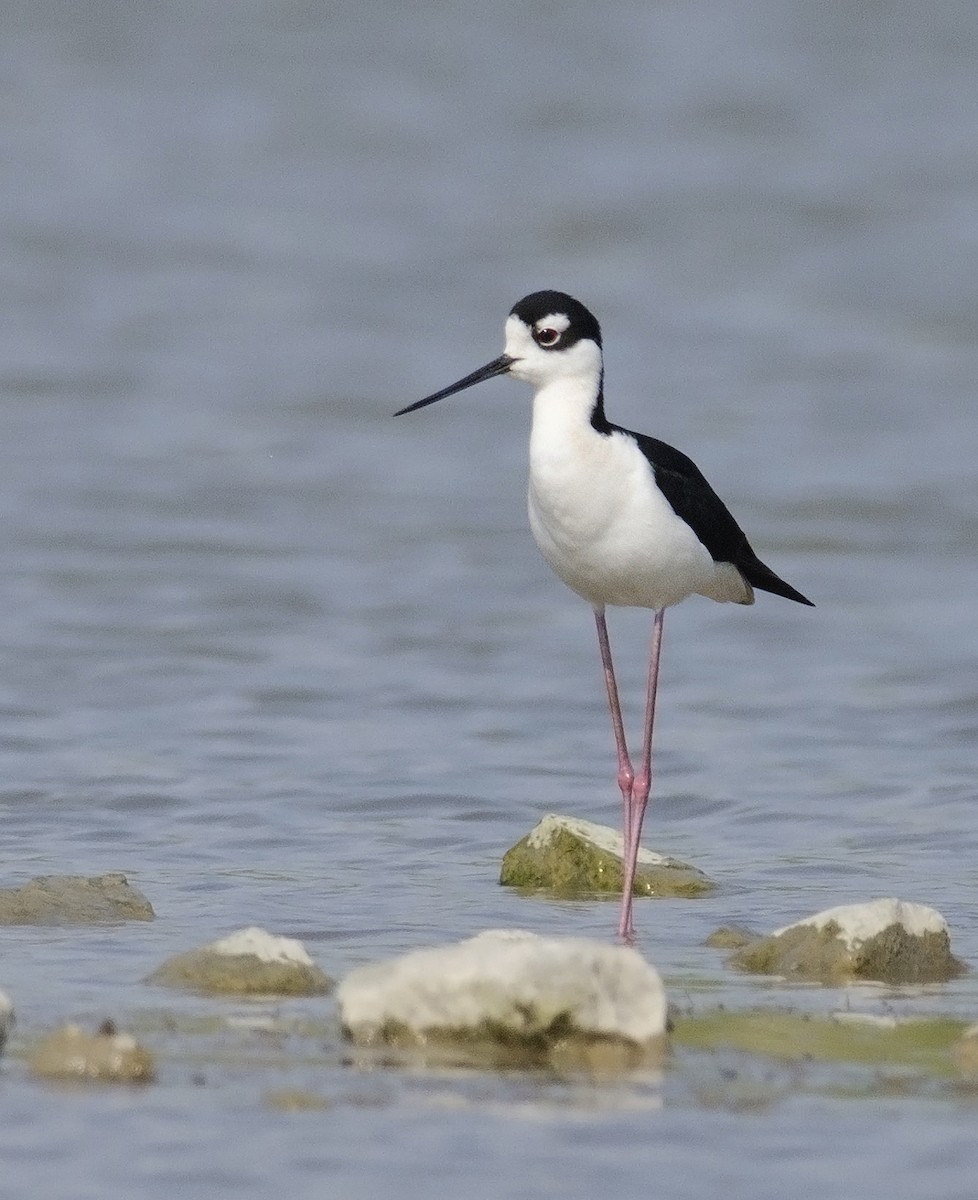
x=731, y=937
x=893, y=956
x=240, y=974
x=296, y=1100
x=571, y=867
x=74, y=900
x=920, y=1045
x=494, y=1045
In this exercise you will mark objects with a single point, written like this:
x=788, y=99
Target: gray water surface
x=287, y=661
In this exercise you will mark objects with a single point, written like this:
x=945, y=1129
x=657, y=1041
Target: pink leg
x=641, y=786
x=626, y=775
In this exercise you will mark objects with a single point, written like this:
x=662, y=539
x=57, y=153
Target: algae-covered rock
x=71, y=1053
x=965, y=1053
x=511, y=997
x=890, y=941
x=249, y=962
x=6, y=1018
x=296, y=1100
x=730, y=937
x=73, y=900
x=923, y=1044
x=570, y=857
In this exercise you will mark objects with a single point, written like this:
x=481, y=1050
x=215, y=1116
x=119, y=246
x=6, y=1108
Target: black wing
x=689, y=493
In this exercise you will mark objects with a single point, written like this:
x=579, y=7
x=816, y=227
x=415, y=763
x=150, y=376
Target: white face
x=537, y=365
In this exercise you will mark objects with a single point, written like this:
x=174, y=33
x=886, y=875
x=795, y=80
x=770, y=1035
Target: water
x=287, y=661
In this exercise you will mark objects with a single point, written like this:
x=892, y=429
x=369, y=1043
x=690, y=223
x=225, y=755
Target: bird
x=624, y=519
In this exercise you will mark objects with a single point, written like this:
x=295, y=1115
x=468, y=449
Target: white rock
x=264, y=946
x=603, y=836
x=512, y=982
x=859, y=922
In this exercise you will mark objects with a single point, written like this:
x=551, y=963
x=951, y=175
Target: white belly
x=609, y=533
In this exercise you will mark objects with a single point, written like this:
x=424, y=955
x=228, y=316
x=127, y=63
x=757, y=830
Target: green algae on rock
x=249, y=962
x=72, y=1054
x=74, y=900
x=926, y=1045
x=7, y=1018
x=730, y=937
x=511, y=998
x=296, y=1100
x=965, y=1053
x=570, y=858
x=888, y=941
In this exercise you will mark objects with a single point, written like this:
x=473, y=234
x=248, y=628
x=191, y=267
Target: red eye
x=547, y=337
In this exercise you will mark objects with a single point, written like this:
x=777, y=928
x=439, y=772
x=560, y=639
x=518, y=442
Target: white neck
x=564, y=404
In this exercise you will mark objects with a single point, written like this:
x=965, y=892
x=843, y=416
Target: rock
x=6, y=1018
x=71, y=1053
x=887, y=1045
x=965, y=1052
x=570, y=857
x=507, y=997
x=730, y=937
x=890, y=941
x=73, y=900
x=296, y=1100
x=249, y=962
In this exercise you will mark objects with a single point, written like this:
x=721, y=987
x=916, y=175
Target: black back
x=678, y=478
x=693, y=500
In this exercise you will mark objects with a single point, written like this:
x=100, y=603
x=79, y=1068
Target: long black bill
x=498, y=366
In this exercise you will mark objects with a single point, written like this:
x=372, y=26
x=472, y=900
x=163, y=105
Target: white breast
x=603, y=526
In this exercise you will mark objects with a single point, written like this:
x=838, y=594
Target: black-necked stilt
x=622, y=518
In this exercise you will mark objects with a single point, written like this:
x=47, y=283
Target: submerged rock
x=6, y=1018
x=570, y=857
x=71, y=1053
x=891, y=941
x=296, y=1100
x=730, y=937
x=249, y=962
x=509, y=997
x=965, y=1053
x=74, y=900
x=881, y=1041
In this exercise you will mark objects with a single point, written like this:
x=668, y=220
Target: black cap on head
x=583, y=323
